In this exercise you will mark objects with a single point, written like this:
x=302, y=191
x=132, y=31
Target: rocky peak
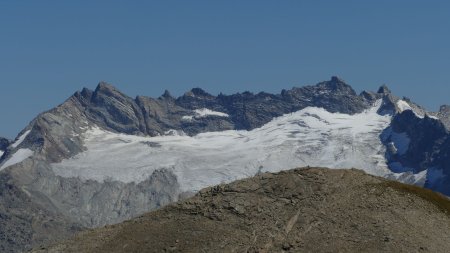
x=444, y=108
x=167, y=95
x=444, y=115
x=105, y=88
x=86, y=92
x=107, y=92
x=336, y=84
x=384, y=90
x=199, y=93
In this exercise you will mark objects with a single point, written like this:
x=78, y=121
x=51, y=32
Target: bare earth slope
x=301, y=210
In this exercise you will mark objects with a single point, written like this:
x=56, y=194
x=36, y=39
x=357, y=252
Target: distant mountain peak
x=104, y=87
x=198, y=92
x=166, y=94
x=337, y=79
x=384, y=90
x=444, y=108
x=337, y=83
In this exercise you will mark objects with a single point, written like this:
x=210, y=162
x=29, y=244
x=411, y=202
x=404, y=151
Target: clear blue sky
x=50, y=49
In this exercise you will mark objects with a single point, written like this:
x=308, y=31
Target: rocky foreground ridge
x=300, y=210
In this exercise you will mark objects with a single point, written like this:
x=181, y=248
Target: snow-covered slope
x=17, y=157
x=312, y=136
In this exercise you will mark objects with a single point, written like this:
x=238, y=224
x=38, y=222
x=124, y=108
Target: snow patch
x=1, y=153
x=173, y=132
x=403, y=105
x=312, y=136
x=204, y=112
x=18, y=157
x=21, y=139
x=418, y=179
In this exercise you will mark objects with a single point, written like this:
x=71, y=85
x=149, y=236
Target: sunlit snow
x=403, y=105
x=17, y=157
x=20, y=139
x=204, y=112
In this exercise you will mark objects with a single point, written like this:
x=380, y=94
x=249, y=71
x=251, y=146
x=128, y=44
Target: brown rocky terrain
x=301, y=210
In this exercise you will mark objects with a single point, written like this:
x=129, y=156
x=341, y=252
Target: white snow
x=418, y=179
x=204, y=112
x=18, y=157
x=21, y=139
x=403, y=105
x=311, y=137
x=207, y=112
x=188, y=118
x=1, y=153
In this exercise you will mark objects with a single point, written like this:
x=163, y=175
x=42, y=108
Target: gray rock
x=444, y=115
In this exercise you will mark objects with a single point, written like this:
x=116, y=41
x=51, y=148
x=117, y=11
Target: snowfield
x=204, y=112
x=18, y=157
x=312, y=136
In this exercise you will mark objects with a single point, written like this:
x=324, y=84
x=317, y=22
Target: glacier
x=309, y=137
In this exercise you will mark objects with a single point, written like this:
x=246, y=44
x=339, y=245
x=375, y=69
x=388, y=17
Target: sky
x=50, y=49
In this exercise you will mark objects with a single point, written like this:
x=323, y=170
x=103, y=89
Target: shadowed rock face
x=302, y=210
x=3, y=143
x=429, y=148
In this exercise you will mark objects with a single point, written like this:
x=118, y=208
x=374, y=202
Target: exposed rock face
x=302, y=210
x=444, y=115
x=27, y=220
x=91, y=203
x=4, y=143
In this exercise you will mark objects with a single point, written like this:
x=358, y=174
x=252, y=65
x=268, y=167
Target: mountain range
x=103, y=157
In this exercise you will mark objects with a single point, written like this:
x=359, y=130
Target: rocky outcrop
x=302, y=210
x=4, y=143
x=444, y=115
